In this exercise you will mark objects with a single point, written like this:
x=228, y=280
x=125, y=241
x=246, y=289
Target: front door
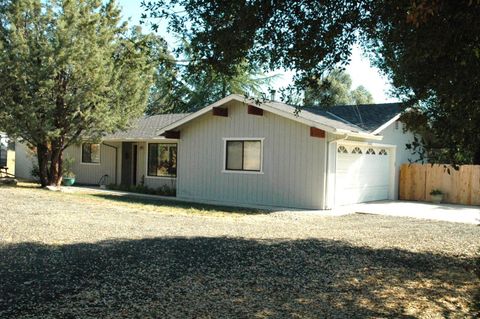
x=134, y=164
x=127, y=163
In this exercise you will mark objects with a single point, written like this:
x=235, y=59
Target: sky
x=360, y=70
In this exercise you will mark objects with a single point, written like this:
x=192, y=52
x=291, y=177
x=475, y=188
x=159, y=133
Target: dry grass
x=91, y=256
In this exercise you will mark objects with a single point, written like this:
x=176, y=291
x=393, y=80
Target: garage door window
x=371, y=151
x=382, y=152
x=357, y=150
x=342, y=149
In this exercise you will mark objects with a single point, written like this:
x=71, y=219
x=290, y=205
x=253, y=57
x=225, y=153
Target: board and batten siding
x=90, y=173
x=293, y=161
x=394, y=134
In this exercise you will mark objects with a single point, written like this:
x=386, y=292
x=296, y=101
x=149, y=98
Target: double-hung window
x=90, y=153
x=243, y=155
x=162, y=160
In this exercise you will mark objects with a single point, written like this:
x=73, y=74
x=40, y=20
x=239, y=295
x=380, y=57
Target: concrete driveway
x=441, y=212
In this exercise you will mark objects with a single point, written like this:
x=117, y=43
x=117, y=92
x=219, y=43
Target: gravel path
x=98, y=256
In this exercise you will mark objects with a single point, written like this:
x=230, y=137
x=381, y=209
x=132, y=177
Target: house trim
x=265, y=106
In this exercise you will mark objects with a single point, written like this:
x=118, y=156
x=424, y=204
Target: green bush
x=142, y=189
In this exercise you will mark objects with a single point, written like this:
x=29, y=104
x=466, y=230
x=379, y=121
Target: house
x=239, y=152
x=7, y=155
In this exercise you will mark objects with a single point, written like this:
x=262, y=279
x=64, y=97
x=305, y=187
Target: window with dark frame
x=3, y=151
x=162, y=160
x=91, y=153
x=243, y=155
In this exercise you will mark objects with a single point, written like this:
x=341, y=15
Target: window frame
x=242, y=139
x=147, y=175
x=4, y=148
x=99, y=155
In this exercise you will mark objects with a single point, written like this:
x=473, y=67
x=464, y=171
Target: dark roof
x=368, y=117
x=146, y=127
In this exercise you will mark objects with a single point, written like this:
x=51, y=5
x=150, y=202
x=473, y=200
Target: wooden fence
x=459, y=187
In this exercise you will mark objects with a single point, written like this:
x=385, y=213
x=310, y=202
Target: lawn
x=94, y=255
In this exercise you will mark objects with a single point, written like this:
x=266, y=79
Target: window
x=3, y=150
x=162, y=160
x=357, y=150
x=91, y=153
x=371, y=151
x=243, y=155
x=382, y=152
x=342, y=149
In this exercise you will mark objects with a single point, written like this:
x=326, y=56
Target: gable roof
x=369, y=117
x=146, y=127
x=321, y=119
x=353, y=120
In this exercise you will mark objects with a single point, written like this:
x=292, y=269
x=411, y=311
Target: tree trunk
x=42, y=157
x=56, y=164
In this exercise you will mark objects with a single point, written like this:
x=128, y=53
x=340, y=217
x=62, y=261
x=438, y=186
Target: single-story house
x=240, y=152
x=7, y=155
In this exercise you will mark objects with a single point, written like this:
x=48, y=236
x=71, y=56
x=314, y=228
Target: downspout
x=116, y=159
x=325, y=181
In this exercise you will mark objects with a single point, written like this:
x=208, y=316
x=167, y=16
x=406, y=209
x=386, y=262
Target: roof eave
x=386, y=124
x=369, y=136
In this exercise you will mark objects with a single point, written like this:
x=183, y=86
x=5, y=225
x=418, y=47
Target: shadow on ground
x=226, y=277
x=135, y=199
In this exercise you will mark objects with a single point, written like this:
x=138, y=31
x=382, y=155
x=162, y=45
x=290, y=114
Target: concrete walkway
x=421, y=210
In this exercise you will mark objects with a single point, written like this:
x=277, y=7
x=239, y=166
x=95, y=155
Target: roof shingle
x=146, y=127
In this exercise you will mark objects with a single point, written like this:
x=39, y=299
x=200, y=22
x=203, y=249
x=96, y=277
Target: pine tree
x=69, y=69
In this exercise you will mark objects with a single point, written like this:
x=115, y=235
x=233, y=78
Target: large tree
x=69, y=69
x=335, y=89
x=430, y=49
x=431, y=52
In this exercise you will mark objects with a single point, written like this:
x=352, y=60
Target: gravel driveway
x=99, y=256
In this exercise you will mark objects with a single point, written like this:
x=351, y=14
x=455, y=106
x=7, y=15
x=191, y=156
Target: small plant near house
x=436, y=195
x=142, y=189
x=67, y=173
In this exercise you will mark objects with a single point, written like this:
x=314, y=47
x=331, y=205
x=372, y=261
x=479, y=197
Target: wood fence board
x=459, y=186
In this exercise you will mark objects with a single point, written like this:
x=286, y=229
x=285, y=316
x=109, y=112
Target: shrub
x=142, y=189
x=436, y=192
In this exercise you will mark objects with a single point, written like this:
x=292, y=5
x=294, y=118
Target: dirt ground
x=105, y=256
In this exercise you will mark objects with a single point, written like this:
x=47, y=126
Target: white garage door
x=362, y=174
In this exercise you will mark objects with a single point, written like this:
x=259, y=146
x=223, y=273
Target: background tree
x=361, y=96
x=68, y=69
x=182, y=88
x=335, y=89
x=428, y=48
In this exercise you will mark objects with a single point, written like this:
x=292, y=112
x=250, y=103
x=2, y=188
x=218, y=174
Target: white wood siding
x=24, y=160
x=293, y=162
x=91, y=173
x=394, y=134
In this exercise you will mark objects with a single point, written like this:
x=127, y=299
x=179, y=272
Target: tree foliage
x=185, y=88
x=336, y=89
x=68, y=69
x=431, y=52
x=429, y=49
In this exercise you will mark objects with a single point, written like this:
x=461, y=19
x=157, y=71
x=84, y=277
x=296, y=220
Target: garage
x=362, y=173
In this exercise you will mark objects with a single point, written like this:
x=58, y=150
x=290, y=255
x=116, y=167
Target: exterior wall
x=293, y=162
x=151, y=181
x=89, y=173
x=11, y=158
x=24, y=160
x=394, y=134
